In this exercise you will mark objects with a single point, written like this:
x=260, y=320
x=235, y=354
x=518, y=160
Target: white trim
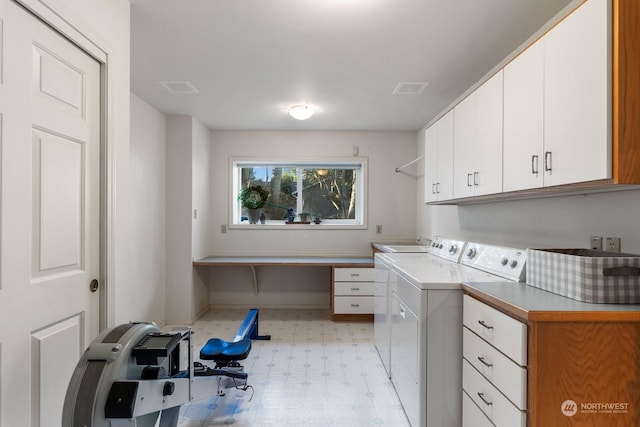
x=66, y=23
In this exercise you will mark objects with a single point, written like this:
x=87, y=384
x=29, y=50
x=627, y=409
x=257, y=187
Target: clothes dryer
x=426, y=328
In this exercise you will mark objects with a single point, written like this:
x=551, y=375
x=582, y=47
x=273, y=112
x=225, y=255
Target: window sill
x=280, y=225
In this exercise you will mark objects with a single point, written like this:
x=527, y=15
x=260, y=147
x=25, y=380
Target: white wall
x=179, y=202
x=201, y=243
x=391, y=203
x=148, y=219
x=390, y=195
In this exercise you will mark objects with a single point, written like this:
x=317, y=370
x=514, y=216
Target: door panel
x=51, y=369
x=57, y=231
x=50, y=200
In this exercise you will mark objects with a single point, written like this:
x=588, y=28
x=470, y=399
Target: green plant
x=253, y=197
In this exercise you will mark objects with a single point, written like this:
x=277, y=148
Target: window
x=331, y=192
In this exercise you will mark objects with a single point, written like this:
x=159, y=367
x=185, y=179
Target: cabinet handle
x=468, y=180
x=486, y=402
x=475, y=179
x=355, y=274
x=437, y=188
x=355, y=289
x=484, y=324
x=534, y=164
x=403, y=314
x=355, y=305
x=547, y=161
x=433, y=188
x=484, y=362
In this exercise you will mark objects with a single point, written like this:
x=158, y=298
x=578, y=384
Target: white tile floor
x=313, y=372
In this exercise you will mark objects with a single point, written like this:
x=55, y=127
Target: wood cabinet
x=477, y=147
x=352, y=293
x=581, y=360
x=439, y=160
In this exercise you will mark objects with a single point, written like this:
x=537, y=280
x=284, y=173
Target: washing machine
x=425, y=313
x=439, y=249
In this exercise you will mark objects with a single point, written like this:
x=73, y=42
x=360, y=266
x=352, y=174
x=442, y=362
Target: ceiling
x=250, y=60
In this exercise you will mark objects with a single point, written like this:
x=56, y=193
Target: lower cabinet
x=494, y=373
x=352, y=293
x=574, y=366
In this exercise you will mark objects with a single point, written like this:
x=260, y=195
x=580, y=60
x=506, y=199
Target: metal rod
x=398, y=169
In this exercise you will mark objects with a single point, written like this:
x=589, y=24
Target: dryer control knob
x=453, y=249
x=513, y=264
x=504, y=261
x=471, y=253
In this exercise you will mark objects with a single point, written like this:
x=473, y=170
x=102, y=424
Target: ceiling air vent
x=173, y=86
x=410, y=88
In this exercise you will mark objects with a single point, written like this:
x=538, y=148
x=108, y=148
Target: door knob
x=93, y=286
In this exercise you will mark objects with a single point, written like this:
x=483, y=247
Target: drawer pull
x=484, y=324
x=355, y=289
x=486, y=402
x=355, y=305
x=355, y=274
x=621, y=271
x=484, y=362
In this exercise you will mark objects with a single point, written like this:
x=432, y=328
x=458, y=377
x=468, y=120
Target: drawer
x=491, y=402
x=509, y=377
x=354, y=274
x=472, y=416
x=352, y=305
x=501, y=331
x=354, y=288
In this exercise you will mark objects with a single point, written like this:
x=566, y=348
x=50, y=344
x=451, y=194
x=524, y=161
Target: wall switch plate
x=596, y=243
x=612, y=244
x=378, y=229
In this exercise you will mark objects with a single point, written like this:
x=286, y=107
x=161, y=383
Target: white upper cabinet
x=439, y=160
x=523, y=120
x=477, y=144
x=577, y=97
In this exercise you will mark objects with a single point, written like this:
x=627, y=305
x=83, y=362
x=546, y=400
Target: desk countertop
x=284, y=260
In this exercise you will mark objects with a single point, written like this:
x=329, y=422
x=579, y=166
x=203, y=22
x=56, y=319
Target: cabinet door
x=577, y=96
x=444, y=188
x=487, y=171
x=431, y=163
x=463, y=148
x=439, y=160
x=523, y=120
x=478, y=141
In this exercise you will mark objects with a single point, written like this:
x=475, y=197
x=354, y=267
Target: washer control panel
x=499, y=260
x=450, y=249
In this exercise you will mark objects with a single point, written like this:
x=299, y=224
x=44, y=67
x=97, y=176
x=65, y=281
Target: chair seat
x=225, y=351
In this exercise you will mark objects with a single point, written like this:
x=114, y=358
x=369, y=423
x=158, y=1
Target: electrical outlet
x=596, y=243
x=612, y=244
x=223, y=228
x=378, y=229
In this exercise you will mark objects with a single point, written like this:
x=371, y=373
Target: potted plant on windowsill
x=253, y=198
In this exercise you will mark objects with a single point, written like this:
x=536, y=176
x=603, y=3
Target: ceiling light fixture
x=301, y=112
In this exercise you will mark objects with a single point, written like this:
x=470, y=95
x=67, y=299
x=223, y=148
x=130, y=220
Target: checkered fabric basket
x=586, y=275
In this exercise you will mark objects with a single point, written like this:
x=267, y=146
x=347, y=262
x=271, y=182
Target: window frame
x=359, y=223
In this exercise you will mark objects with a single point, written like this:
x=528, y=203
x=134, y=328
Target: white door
x=50, y=202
